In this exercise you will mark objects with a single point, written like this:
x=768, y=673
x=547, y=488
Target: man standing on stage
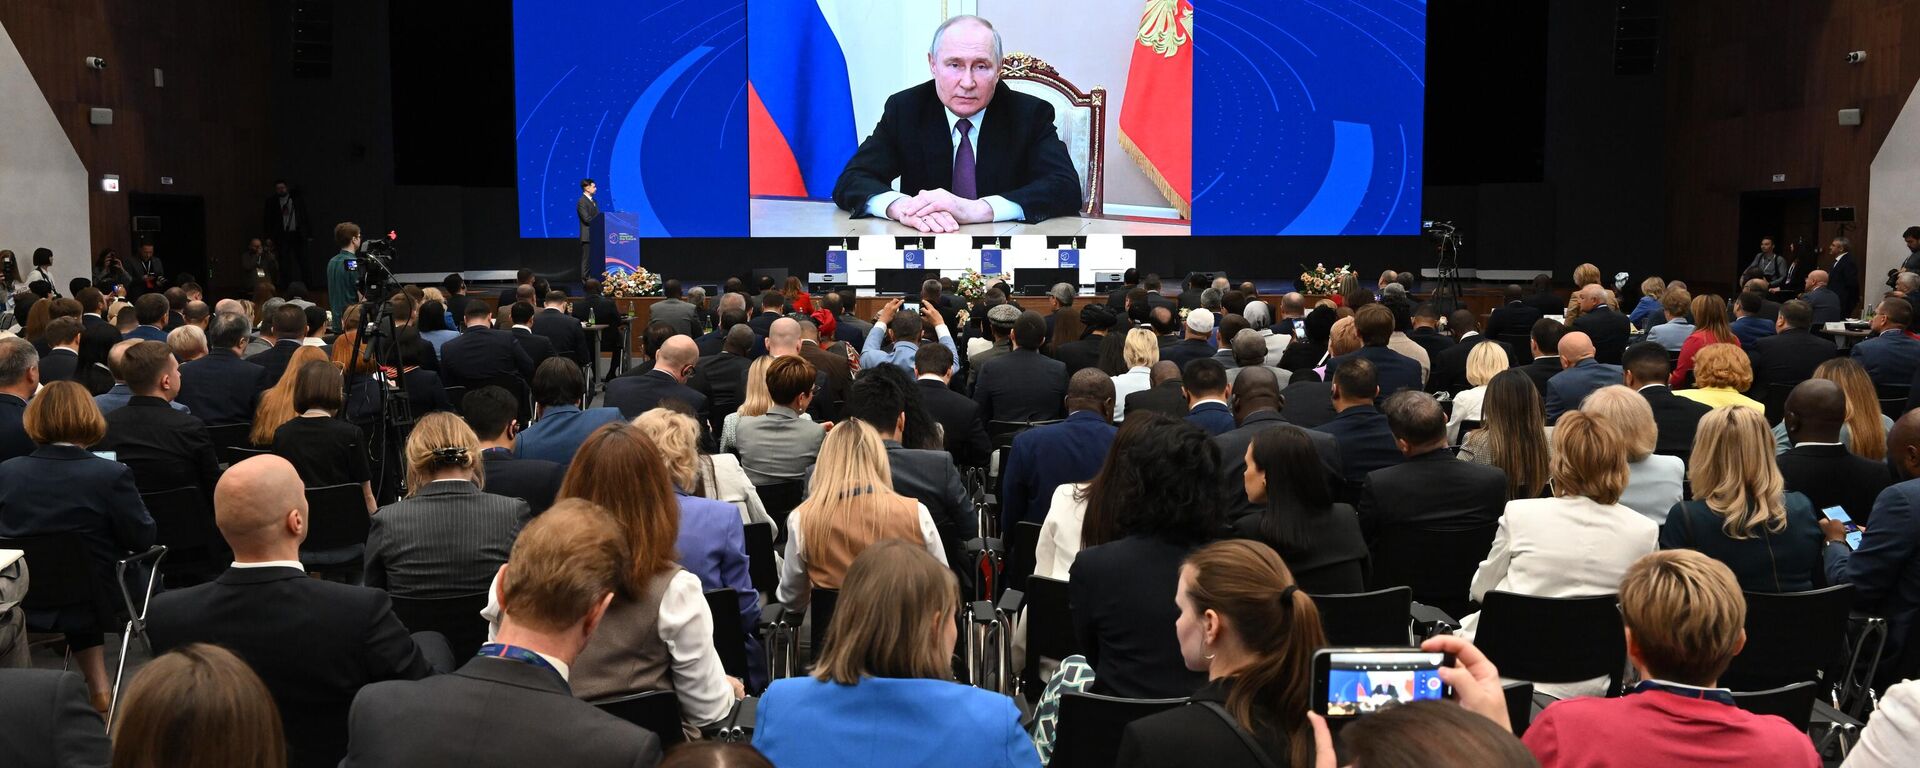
x=284, y=219
x=589, y=216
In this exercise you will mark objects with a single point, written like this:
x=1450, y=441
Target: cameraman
x=149, y=273
x=343, y=273
x=112, y=271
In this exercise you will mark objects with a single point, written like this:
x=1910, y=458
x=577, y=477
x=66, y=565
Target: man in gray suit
x=684, y=317
x=512, y=704
x=589, y=216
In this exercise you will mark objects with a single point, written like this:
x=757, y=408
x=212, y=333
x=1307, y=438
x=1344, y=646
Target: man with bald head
x=672, y=366
x=1165, y=395
x=1822, y=298
x=1579, y=376
x=1606, y=327
x=1070, y=451
x=1885, y=571
x=966, y=148
x=1819, y=464
x=313, y=642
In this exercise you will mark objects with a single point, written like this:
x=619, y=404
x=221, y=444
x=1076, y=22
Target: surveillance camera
x=1856, y=57
x=95, y=62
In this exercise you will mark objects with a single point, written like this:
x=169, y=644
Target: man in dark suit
x=1166, y=396
x=554, y=591
x=596, y=308
x=1885, y=571
x=313, y=642
x=927, y=138
x=1071, y=451
x=589, y=213
x=1818, y=465
x=1366, y=442
x=1256, y=402
x=1645, y=367
x=537, y=346
x=1544, y=341
x=1205, y=383
x=1450, y=364
x=635, y=395
x=1791, y=354
x=1426, y=333
x=1890, y=355
x=722, y=378
x=1543, y=299
x=1022, y=385
x=63, y=350
x=1193, y=345
x=510, y=294
x=1514, y=318
x=1825, y=301
x=880, y=400
x=836, y=372
x=493, y=414
x=483, y=354
x=1099, y=320
x=1393, y=371
x=561, y=331
x=288, y=325
x=711, y=342
x=221, y=388
x=50, y=723
x=93, y=305
x=1433, y=490
x=964, y=434
x=165, y=448
x=1580, y=375
x=284, y=219
x=1845, y=274
x=1608, y=329
x=1307, y=404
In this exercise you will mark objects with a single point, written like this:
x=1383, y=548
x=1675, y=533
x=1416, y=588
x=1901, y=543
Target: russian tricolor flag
x=799, y=102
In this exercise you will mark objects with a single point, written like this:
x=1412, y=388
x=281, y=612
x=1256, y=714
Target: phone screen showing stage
x=1365, y=683
x=1853, y=529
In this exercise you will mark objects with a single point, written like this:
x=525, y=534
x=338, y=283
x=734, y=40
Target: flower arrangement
x=973, y=285
x=639, y=282
x=1321, y=281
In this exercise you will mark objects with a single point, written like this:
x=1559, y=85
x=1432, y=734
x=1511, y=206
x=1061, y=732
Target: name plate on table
x=837, y=260
x=1069, y=258
x=914, y=258
x=990, y=261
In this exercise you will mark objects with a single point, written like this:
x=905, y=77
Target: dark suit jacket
x=1121, y=595
x=1434, y=491
x=563, y=333
x=457, y=719
x=165, y=448
x=965, y=435
x=273, y=361
x=1215, y=418
x=1186, y=350
x=534, y=480
x=1044, y=457
x=1179, y=735
x=1786, y=358
x=930, y=478
x=314, y=643
x=221, y=388
x=1021, y=385
x=446, y=540
x=1449, y=367
x=1168, y=400
x=13, y=432
x=1331, y=559
x=589, y=212
x=58, y=365
x=1021, y=157
x=1548, y=303
x=1308, y=404
x=635, y=395
x=1076, y=355
x=722, y=379
x=830, y=402
x=1608, y=329
x=64, y=489
x=1784, y=561
x=1844, y=279
x=762, y=323
x=1832, y=476
x=1890, y=358
x=537, y=346
x=1885, y=574
x=484, y=355
x=1677, y=418
x=1366, y=443
x=50, y=722
x=1541, y=370
x=1394, y=371
x=1432, y=340
x=1233, y=457
x=1515, y=319
x=1825, y=303
x=1301, y=356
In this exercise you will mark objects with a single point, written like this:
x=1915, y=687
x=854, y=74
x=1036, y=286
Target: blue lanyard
x=516, y=653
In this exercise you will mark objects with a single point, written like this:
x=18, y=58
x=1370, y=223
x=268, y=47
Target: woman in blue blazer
x=63, y=488
x=879, y=694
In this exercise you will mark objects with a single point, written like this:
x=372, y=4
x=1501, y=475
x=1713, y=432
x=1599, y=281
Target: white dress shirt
x=1003, y=209
x=1059, y=541
x=1466, y=407
x=1137, y=379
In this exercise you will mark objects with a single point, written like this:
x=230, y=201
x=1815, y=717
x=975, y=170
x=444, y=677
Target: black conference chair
x=1775, y=400
x=779, y=499
x=183, y=523
x=657, y=711
x=1022, y=541
x=820, y=607
x=1793, y=703
x=457, y=618
x=1438, y=565
x=1893, y=399
x=1466, y=425
x=337, y=523
x=729, y=637
x=455, y=394
x=760, y=562
x=1049, y=630
x=65, y=581
x=1519, y=694
x=1090, y=726
x=1792, y=637
x=1378, y=618
x=1554, y=639
x=226, y=437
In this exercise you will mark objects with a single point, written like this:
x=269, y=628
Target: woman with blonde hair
x=447, y=538
x=850, y=505
x=1578, y=543
x=1721, y=373
x=1741, y=513
x=1483, y=363
x=188, y=343
x=276, y=404
x=198, y=706
x=1512, y=434
x=1711, y=326
x=1648, y=311
x=1654, y=481
x=886, y=668
x=1583, y=276
x=1141, y=352
x=755, y=403
x=1865, y=433
x=716, y=476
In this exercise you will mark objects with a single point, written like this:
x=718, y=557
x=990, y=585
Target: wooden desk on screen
x=773, y=217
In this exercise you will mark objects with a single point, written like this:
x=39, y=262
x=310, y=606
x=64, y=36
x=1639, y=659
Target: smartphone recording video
x=1853, y=529
x=1361, y=681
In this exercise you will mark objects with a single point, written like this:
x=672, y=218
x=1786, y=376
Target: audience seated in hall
x=1430, y=491
x=779, y=445
x=197, y=705
x=1646, y=366
x=1256, y=404
x=1655, y=481
x=1453, y=365
x=849, y=507
x=1082, y=515
x=1605, y=327
x=1544, y=341
x=1366, y=442
x=1890, y=355
x=323, y=448
x=962, y=432
x=1721, y=374
x=449, y=535
x=1205, y=384
x=19, y=378
x=1319, y=538
x=1818, y=465
x=1392, y=371
x=1710, y=327
x=635, y=392
x=1580, y=373
x=1043, y=458
x=165, y=448
x=1022, y=384
x=559, y=425
x=1741, y=513
x=492, y=414
x=1789, y=356
x=1886, y=562
x=880, y=400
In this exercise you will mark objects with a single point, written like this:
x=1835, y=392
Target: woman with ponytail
x=1245, y=624
x=447, y=538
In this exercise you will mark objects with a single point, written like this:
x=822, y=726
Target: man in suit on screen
x=966, y=148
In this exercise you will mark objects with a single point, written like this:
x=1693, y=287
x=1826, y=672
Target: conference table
x=781, y=217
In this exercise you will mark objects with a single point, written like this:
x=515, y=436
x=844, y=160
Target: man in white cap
x=1194, y=345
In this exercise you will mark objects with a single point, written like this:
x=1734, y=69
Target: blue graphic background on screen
x=649, y=99
x=1307, y=116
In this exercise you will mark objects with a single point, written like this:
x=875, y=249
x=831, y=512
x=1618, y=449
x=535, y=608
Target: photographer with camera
x=149, y=273
x=343, y=271
x=112, y=271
